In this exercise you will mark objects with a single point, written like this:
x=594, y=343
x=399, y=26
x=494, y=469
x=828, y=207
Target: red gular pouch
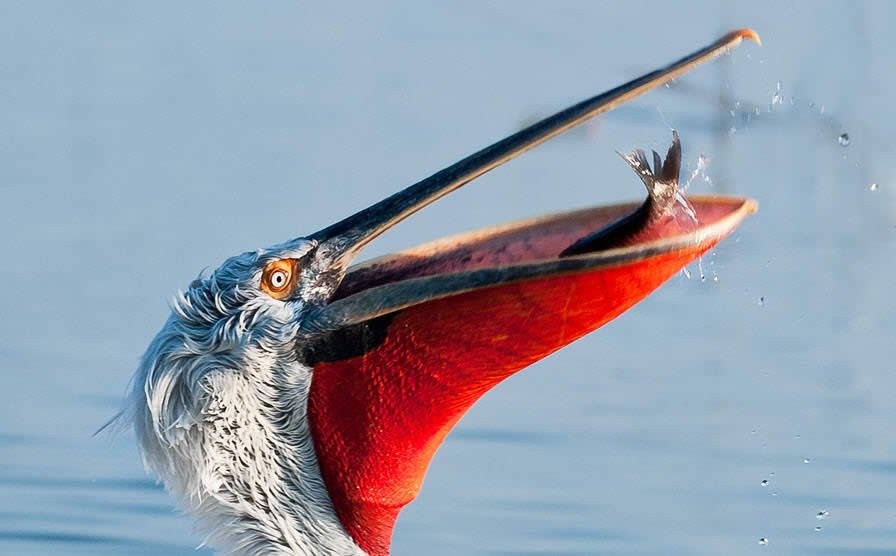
x=405, y=344
x=389, y=389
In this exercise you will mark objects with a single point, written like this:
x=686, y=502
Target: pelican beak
x=406, y=343
x=341, y=242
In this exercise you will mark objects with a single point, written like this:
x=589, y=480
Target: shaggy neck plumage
x=246, y=466
x=219, y=406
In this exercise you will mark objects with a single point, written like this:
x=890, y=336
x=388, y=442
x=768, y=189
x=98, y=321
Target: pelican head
x=219, y=406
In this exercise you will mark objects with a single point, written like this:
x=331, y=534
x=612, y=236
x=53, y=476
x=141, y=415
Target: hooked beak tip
x=747, y=33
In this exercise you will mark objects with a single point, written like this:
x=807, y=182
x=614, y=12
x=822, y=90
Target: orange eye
x=278, y=278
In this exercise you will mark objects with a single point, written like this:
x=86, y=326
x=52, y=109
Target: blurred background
x=747, y=407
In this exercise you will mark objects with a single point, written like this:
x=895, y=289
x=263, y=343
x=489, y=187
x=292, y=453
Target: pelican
x=292, y=402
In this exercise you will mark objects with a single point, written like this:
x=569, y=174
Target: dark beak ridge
x=342, y=241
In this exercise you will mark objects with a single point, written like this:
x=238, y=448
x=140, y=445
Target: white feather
x=219, y=407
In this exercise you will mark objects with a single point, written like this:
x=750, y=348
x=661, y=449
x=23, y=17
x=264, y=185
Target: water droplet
x=757, y=111
x=777, y=98
x=731, y=113
x=702, y=163
x=775, y=493
x=823, y=514
x=806, y=460
x=715, y=278
x=873, y=187
x=772, y=474
x=732, y=131
x=818, y=527
x=761, y=301
x=763, y=541
x=843, y=139
x=811, y=104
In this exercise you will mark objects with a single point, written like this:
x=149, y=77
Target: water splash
x=686, y=206
x=701, y=166
x=700, y=170
x=843, y=139
x=682, y=188
x=778, y=98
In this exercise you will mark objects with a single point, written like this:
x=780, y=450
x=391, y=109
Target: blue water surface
x=142, y=143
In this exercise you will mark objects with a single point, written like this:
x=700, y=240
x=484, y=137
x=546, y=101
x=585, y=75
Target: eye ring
x=279, y=278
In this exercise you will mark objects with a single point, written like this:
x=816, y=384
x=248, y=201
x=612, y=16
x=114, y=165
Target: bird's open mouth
x=579, y=241
x=583, y=240
x=540, y=241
